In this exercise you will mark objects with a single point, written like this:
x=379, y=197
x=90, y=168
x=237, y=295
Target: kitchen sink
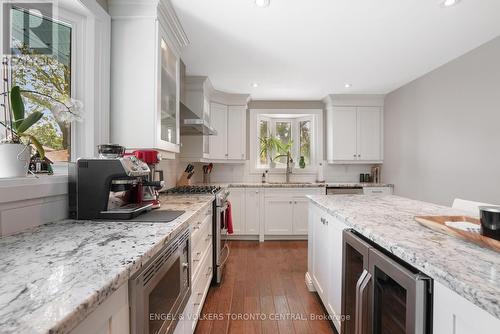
x=284, y=183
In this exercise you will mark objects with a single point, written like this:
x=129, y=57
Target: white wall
x=442, y=131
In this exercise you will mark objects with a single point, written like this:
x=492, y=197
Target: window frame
x=316, y=118
x=90, y=84
x=90, y=75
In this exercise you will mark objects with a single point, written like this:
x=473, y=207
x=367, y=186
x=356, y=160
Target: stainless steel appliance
x=344, y=190
x=159, y=292
x=381, y=294
x=219, y=224
x=152, y=186
x=107, y=188
x=219, y=232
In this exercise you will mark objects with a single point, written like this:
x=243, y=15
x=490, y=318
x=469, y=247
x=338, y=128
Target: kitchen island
x=56, y=275
x=463, y=273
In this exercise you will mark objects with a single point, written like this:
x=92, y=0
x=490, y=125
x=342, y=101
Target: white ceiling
x=304, y=50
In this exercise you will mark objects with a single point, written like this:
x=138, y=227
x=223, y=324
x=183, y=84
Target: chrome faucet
x=289, y=166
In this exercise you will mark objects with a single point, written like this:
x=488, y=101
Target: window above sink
x=275, y=132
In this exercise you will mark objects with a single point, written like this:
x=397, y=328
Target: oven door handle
x=361, y=285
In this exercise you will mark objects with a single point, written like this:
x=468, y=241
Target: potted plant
x=15, y=148
x=269, y=146
x=284, y=150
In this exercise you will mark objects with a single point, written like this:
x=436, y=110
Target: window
x=46, y=73
x=280, y=134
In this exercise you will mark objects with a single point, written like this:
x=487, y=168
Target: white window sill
x=30, y=187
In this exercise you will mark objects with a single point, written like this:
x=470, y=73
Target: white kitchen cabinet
x=144, y=96
x=218, y=142
x=354, y=134
x=377, y=190
x=343, y=120
x=334, y=297
x=236, y=132
x=453, y=314
x=321, y=254
x=230, y=141
x=111, y=317
x=252, y=210
x=237, y=199
x=369, y=133
x=325, y=260
x=278, y=215
x=300, y=221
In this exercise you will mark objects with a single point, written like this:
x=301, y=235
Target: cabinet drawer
x=199, y=288
x=200, y=230
x=377, y=190
x=294, y=191
x=201, y=248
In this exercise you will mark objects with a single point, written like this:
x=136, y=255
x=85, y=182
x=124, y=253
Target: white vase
x=14, y=159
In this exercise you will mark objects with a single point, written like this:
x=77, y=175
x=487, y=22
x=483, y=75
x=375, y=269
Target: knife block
x=184, y=181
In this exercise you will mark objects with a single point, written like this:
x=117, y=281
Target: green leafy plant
x=284, y=150
x=20, y=123
x=271, y=145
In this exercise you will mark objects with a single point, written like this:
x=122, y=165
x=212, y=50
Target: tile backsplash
x=241, y=173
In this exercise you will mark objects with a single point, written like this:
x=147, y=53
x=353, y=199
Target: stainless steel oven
x=380, y=294
x=159, y=292
x=221, y=247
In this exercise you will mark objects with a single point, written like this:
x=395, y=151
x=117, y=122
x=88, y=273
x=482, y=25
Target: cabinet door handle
x=360, y=297
x=359, y=155
x=290, y=202
x=354, y=155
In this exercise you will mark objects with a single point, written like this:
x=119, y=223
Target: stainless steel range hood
x=191, y=124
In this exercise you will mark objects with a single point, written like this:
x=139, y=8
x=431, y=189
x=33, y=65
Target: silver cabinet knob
x=359, y=155
x=185, y=265
x=354, y=155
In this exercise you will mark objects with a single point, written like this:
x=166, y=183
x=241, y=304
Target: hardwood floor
x=263, y=291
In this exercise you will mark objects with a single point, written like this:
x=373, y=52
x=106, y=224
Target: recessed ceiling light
x=449, y=3
x=347, y=85
x=262, y=3
x=255, y=85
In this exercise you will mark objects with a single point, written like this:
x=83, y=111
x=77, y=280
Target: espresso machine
x=152, y=187
x=108, y=188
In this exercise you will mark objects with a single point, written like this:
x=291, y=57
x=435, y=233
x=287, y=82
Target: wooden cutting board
x=437, y=223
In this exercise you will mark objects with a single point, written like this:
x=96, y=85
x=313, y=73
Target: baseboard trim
x=285, y=237
x=265, y=237
x=309, y=283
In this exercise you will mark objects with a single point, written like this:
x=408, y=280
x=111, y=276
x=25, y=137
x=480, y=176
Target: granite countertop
x=298, y=184
x=54, y=275
x=471, y=271
x=357, y=184
x=275, y=185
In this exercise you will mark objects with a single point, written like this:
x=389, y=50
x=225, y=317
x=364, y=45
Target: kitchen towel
x=229, y=219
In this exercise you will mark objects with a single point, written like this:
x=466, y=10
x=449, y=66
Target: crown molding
x=354, y=100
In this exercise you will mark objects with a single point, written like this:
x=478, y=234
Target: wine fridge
x=380, y=294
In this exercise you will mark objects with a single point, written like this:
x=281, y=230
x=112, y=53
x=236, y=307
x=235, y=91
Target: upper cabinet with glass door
x=168, y=134
x=145, y=75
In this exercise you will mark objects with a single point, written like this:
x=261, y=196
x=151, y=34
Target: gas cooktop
x=201, y=189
